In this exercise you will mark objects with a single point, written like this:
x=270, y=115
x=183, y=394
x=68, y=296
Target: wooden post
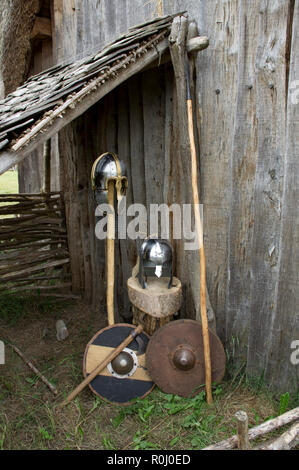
x=160, y=7
x=110, y=254
x=242, y=430
x=47, y=160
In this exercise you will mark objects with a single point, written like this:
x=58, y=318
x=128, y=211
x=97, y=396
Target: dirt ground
x=31, y=419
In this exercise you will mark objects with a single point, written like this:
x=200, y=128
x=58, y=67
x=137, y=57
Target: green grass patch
x=14, y=308
x=8, y=185
x=9, y=182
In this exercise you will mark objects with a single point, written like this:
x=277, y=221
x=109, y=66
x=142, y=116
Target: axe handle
x=199, y=229
x=103, y=364
x=110, y=255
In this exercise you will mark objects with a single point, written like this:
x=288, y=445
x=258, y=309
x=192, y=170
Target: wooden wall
x=130, y=122
x=248, y=126
x=31, y=170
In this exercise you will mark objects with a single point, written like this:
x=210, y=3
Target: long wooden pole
x=199, y=230
x=103, y=364
x=110, y=254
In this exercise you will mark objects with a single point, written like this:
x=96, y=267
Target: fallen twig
x=35, y=370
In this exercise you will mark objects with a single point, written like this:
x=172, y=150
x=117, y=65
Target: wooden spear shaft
x=103, y=364
x=199, y=230
x=110, y=254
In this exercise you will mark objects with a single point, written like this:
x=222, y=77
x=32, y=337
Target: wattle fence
x=33, y=244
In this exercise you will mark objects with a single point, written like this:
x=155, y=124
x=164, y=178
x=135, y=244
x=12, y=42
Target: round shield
x=126, y=376
x=175, y=358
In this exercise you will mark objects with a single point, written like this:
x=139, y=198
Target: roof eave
x=53, y=124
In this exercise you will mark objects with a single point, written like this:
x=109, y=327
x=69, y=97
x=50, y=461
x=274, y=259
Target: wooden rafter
x=42, y=28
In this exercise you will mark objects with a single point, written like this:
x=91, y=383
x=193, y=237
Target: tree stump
x=156, y=305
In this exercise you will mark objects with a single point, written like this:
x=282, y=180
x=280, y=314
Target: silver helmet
x=155, y=259
x=108, y=167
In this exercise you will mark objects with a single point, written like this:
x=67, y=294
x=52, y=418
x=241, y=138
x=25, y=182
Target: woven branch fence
x=33, y=243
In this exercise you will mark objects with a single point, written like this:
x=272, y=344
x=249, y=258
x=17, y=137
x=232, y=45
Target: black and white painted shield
x=109, y=384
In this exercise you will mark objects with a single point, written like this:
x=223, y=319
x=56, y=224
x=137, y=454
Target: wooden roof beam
x=42, y=28
x=193, y=45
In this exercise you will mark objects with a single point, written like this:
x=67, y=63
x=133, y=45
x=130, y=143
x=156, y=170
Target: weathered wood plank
x=244, y=156
x=99, y=117
x=83, y=184
x=31, y=170
x=269, y=180
x=282, y=372
x=153, y=92
x=68, y=161
x=216, y=93
x=126, y=246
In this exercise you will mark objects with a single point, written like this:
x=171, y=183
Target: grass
x=9, y=182
x=31, y=419
x=8, y=185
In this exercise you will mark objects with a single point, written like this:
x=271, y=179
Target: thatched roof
x=48, y=101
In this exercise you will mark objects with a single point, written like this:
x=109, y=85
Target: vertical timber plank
x=271, y=107
x=68, y=172
x=243, y=168
x=84, y=149
x=281, y=373
x=98, y=120
x=137, y=139
x=126, y=246
x=137, y=170
x=217, y=72
x=153, y=117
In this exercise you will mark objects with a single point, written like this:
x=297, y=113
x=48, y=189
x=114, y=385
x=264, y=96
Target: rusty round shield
x=126, y=377
x=175, y=358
